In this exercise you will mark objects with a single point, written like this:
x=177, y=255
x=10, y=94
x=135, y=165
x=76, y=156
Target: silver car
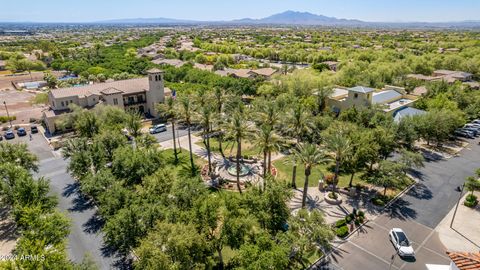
x=158, y=128
x=400, y=242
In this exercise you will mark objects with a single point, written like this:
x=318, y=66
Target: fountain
x=244, y=170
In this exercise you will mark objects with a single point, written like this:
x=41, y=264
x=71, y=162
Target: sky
x=209, y=10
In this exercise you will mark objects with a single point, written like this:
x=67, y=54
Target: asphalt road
x=418, y=213
x=85, y=234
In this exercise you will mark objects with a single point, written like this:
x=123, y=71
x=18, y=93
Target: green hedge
x=471, y=201
x=342, y=231
x=340, y=223
x=4, y=119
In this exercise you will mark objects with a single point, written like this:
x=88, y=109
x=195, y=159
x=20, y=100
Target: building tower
x=156, y=92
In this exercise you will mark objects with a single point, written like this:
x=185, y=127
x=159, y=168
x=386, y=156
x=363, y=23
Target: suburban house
x=139, y=95
x=449, y=76
x=332, y=65
x=265, y=73
x=391, y=99
x=459, y=261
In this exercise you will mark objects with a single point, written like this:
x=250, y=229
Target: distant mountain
x=148, y=21
x=293, y=18
x=297, y=18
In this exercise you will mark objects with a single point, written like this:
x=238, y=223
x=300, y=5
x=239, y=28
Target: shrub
x=340, y=223
x=332, y=195
x=357, y=222
x=471, y=201
x=16, y=127
x=360, y=213
x=4, y=119
x=342, y=231
x=360, y=220
x=378, y=202
x=349, y=218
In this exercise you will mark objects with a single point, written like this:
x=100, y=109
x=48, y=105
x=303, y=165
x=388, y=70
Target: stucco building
x=141, y=95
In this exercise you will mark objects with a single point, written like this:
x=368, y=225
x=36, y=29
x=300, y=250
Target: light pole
x=456, y=207
x=8, y=115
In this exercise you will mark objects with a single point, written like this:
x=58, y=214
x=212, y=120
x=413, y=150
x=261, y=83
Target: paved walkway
x=464, y=234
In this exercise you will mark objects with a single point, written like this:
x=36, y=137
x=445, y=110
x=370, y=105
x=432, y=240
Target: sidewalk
x=465, y=234
x=196, y=149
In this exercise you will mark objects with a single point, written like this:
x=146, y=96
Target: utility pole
x=456, y=207
x=8, y=115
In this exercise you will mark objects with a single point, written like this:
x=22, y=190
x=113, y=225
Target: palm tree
x=339, y=144
x=310, y=156
x=134, y=124
x=219, y=102
x=205, y=116
x=168, y=110
x=298, y=121
x=268, y=142
x=186, y=114
x=238, y=128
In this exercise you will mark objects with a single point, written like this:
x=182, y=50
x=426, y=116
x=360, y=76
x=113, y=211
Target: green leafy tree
x=168, y=111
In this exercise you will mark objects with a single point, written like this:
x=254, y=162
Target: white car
x=158, y=128
x=400, y=242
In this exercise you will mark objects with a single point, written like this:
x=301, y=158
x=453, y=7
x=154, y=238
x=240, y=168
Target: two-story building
x=391, y=99
x=141, y=95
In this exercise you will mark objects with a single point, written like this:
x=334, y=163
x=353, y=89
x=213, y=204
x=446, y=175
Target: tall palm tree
x=238, y=128
x=220, y=97
x=339, y=144
x=134, y=124
x=168, y=110
x=298, y=121
x=205, y=115
x=186, y=111
x=310, y=156
x=268, y=142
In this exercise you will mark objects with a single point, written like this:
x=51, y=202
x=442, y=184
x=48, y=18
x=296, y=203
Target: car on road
x=9, y=134
x=401, y=243
x=158, y=128
x=21, y=132
x=34, y=129
x=474, y=131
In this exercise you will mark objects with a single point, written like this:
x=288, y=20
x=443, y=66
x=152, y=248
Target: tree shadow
x=121, y=260
x=401, y=210
x=421, y=192
x=431, y=156
x=94, y=224
x=81, y=203
x=70, y=189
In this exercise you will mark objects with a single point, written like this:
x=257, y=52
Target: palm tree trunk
x=264, y=164
x=239, y=154
x=351, y=180
x=220, y=147
x=190, y=148
x=294, y=176
x=220, y=258
x=174, y=143
x=269, y=162
x=385, y=191
x=208, y=153
x=305, y=188
x=335, y=178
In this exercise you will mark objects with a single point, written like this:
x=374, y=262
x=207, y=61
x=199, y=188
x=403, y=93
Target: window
x=355, y=95
x=130, y=100
x=115, y=101
x=53, y=102
x=63, y=104
x=93, y=99
x=140, y=99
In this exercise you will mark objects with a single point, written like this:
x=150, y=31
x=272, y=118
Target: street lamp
x=8, y=115
x=456, y=207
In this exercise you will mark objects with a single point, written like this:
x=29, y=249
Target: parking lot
x=418, y=213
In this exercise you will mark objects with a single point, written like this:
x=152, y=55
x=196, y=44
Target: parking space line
x=374, y=255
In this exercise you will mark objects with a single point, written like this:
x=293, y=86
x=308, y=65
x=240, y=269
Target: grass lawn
x=183, y=157
x=285, y=172
x=230, y=148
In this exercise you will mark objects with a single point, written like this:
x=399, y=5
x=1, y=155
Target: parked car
x=401, y=243
x=21, y=132
x=464, y=134
x=476, y=121
x=474, y=131
x=158, y=128
x=9, y=134
x=34, y=129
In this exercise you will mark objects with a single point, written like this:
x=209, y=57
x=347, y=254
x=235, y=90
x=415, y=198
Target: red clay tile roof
x=465, y=260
